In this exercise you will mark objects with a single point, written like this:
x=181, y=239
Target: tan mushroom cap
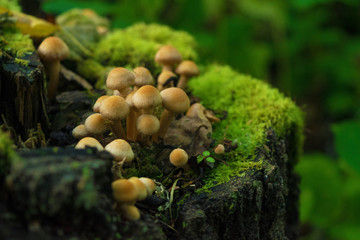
x=143, y=77
x=187, y=68
x=80, y=132
x=140, y=186
x=120, y=78
x=96, y=107
x=150, y=185
x=168, y=55
x=146, y=97
x=220, y=149
x=130, y=212
x=95, y=124
x=124, y=191
x=164, y=76
x=114, y=108
x=147, y=124
x=178, y=157
x=89, y=141
x=175, y=100
x=53, y=49
x=120, y=149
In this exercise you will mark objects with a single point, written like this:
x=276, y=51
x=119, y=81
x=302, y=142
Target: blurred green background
x=310, y=49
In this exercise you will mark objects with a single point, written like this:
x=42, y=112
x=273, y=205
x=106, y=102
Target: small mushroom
x=179, y=158
x=124, y=191
x=167, y=56
x=129, y=212
x=96, y=125
x=186, y=69
x=80, y=132
x=165, y=80
x=146, y=99
x=219, y=149
x=142, y=77
x=97, y=104
x=121, y=150
x=51, y=51
x=115, y=108
x=174, y=101
x=89, y=141
x=147, y=125
x=120, y=79
x=140, y=187
x=150, y=185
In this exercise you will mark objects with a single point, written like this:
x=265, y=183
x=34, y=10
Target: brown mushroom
x=186, y=69
x=80, y=132
x=142, y=77
x=121, y=150
x=165, y=80
x=179, y=158
x=167, y=56
x=120, y=79
x=146, y=99
x=51, y=51
x=147, y=125
x=96, y=125
x=89, y=141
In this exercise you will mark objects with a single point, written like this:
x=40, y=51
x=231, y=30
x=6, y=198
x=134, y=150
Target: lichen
x=252, y=108
x=136, y=45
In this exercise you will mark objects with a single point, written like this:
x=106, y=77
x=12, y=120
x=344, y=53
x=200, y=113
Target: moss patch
x=137, y=45
x=252, y=107
x=15, y=43
x=7, y=153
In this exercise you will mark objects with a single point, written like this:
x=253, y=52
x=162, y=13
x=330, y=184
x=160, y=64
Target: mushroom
x=131, y=132
x=142, y=77
x=96, y=107
x=165, y=80
x=146, y=99
x=115, y=108
x=150, y=185
x=147, y=125
x=219, y=149
x=80, y=132
x=174, y=101
x=124, y=191
x=140, y=187
x=167, y=56
x=179, y=158
x=121, y=150
x=89, y=141
x=186, y=69
x=96, y=125
x=51, y=51
x=129, y=212
x=120, y=79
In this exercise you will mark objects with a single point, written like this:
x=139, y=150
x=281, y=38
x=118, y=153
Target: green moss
x=93, y=71
x=252, y=108
x=16, y=44
x=12, y=5
x=137, y=45
x=7, y=153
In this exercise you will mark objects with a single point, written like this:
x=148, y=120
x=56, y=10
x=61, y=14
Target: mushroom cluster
x=135, y=100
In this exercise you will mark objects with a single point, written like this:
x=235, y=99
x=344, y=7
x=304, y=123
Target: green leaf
x=199, y=158
x=210, y=159
x=347, y=139
x=206, y=153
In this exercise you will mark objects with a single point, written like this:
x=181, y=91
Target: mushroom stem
x=117, y=129
x=182, y=82
x=165, y=121
x=145, y=140
x=166, y=67
x=131, y=131
x=52, y=70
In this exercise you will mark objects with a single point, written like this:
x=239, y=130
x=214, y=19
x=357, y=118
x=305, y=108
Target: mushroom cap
x=129, y=97
x=197, y=110
x=129, y=212
x=114, y=108
x=143, y=77
x=80, y=132
x=124, y=191
x=175, y=100
x=96, y=107
x=220, y=149
x=150, y=185
x=187, y=68
x=120, y=149
x=178, y=157
x=53, y=49
x=164, y=76
x=147, y=124
x=95, y=124
x=120, y=78
x=146, y=97
x=89, y=141
x=140, y=186
x=168, y=55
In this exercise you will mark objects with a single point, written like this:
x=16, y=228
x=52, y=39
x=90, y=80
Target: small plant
x=206, y=157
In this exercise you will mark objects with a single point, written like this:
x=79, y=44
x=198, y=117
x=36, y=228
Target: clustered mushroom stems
x=135, y=99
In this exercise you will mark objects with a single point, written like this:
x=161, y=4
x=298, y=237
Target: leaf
x=206, y=153
x=347, y=139
x=210, y=159
x=199, y=158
